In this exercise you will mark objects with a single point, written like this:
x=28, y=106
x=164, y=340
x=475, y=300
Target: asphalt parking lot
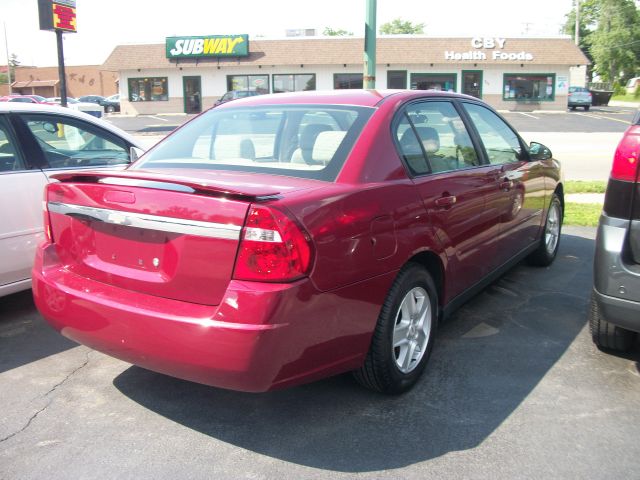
x=515, y=389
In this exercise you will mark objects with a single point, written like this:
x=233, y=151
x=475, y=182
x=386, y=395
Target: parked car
x=615, y=302
x=86, y=107
x=279, y=239
x=579, y=97
x=25, y=99
x=632, y=85
x=37, y=141
x=111, y=104
x=234, y=95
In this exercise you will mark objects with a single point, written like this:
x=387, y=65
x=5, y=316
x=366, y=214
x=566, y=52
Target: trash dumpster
x=600, y=97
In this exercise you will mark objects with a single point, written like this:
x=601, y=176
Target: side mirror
x=537, y=151
x=135, y=153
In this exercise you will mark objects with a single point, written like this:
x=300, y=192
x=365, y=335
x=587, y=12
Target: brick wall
x=81, y=80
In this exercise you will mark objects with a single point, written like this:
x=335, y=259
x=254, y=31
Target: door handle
x=445, y=202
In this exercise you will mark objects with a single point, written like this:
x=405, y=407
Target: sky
x=104, y=24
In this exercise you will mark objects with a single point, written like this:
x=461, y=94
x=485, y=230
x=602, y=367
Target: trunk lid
x=158, y=234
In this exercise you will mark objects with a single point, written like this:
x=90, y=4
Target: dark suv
x=615, y=302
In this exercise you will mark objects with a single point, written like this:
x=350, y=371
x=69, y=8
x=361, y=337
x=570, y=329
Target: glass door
x=472, y=83
x=192, y=94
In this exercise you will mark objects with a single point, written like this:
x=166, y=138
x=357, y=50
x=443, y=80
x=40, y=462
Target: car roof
x=13, y=107
x=364, y=98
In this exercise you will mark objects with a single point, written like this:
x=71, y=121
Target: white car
x=86, y=107
x=37, y=141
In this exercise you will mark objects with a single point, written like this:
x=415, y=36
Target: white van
x=632, y=84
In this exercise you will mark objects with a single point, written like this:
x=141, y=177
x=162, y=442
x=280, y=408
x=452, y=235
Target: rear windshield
x=307, y=141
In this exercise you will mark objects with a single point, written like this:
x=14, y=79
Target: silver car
x=37, y=141
x=615, y=301
x=579, y=97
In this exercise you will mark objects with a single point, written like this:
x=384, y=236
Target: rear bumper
x=260, y=336
x=616, y=277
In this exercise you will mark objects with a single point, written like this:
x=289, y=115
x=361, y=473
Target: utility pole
x=6, y=46
x=369, y=74
x=61, y=74
x=577, y=35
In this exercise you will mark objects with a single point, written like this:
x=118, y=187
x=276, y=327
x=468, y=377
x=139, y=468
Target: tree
x=13, y=63
x=330, y=32
x=615, y=43
x=589, y=10
x=399, y=26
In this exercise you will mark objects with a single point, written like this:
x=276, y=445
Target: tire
x=586, y=108
x=111, y=109
x=606, y=335
x=403, y=337
x=572, y=107
x=547, y=250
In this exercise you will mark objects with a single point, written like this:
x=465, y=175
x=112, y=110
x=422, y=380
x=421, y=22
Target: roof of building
x=35, y=83
x=401, y=50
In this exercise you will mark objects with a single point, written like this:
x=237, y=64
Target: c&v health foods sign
x=208, y=46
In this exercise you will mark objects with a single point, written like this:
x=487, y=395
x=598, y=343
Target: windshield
x=308, y=141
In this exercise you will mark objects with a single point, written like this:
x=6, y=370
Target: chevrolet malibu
x=280, y=239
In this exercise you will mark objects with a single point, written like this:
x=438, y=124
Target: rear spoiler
x=177, y=183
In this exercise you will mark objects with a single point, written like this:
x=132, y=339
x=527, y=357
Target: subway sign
x=208, y=46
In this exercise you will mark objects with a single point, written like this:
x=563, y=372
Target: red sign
x=64, y=17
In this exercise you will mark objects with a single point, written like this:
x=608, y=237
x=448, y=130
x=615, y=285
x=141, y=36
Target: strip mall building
x=187, y=74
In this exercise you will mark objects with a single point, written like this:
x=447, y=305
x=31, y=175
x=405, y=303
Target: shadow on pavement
x=486, y=361
x=24, y=335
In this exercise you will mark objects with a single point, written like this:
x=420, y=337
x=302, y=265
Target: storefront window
x=294, y=82
x=148, y=89
x=259, y=83
x=444, y=82
x=397, y=79
x=536, y=87
x=347, y=80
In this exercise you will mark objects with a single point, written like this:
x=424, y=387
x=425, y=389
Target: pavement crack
x=49, y=400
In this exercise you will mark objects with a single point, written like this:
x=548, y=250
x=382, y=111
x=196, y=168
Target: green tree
x=399, y=26
x=589, y=10
x=330, y=32
x=13, y=63
x=615, y=43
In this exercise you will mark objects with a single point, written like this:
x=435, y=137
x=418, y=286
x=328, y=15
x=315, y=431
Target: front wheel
x=403, y=337
x=586, y=108
x=547, y=249
x=111, y=109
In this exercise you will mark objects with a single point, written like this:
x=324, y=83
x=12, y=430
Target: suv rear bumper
x=616, y=277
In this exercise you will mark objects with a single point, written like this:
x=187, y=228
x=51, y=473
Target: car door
x=21, y=187
x=518, y=192
x=452, y=180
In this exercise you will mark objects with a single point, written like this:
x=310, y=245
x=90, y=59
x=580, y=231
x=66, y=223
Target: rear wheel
x=605, y=334
x=547, y=250
x=572, y=107
x=586, y=108
x=111, y=109
x=403, y=337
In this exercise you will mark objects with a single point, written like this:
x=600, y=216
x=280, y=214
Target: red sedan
x=283, y=238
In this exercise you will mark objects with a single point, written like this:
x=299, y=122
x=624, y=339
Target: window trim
x=347, y=73
x=481, y=72
x=142, y=78
x=273, y=81
x=530, y=100
x=455, y=80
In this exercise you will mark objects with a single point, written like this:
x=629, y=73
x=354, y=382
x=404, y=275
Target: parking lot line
x=528, y=115
x=588, y=115
x=614, y=119
x=158, y=118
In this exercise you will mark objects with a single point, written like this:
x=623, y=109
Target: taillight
x=625, y=160
x=273, y=248
x=46, y=221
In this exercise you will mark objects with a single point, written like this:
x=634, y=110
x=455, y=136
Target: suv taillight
x=273, y=248
x=625, y=160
